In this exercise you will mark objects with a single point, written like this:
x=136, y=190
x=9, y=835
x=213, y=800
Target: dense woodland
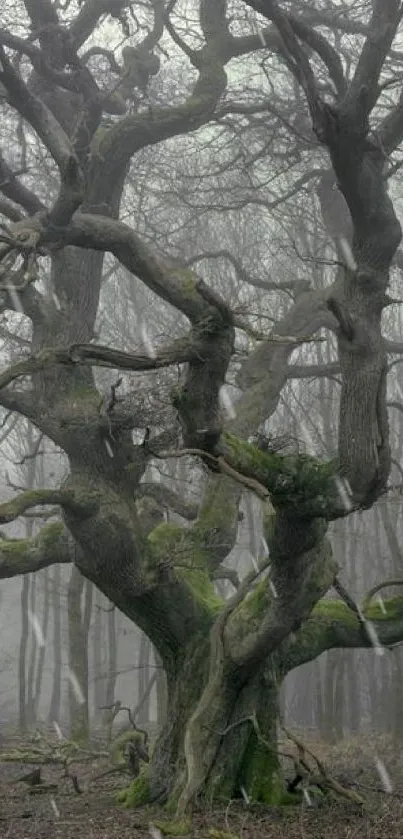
x=201, y=397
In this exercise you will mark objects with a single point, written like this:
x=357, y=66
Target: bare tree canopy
x=156, y=157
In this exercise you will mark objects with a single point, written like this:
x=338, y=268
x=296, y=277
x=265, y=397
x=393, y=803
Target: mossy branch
x=66, y=498
x=376, y=589
x=295, y=481
x=332, y=624
x=24, y=556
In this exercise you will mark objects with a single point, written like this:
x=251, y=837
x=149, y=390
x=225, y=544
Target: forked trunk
x=214, y=748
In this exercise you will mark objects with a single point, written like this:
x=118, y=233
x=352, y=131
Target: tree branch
x=53, y=137
x=162, y=275
x=25, y=556
x=363, y=90
x=333, y=625
x=166, y=497
x=66, y=498
x=16, y=191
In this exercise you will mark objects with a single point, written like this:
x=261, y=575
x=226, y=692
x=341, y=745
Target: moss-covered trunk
x=235, y=753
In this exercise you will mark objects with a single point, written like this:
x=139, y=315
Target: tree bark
x=55, y=701
x=244, y=760
x=78, y=660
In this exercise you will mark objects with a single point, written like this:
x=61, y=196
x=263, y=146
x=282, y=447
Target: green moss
x=50, y=533
x=166, y=540
x=392, y=608
x=261, y=777
x=13, y=547
x=201, y=587
x=292, y=479
x=45, y=540
x=333, y=609
x=174, y=828
x=118, y=745
x=188, y=279
x=171, y=542
x=337, y=610
x=137, y=794
x=217, y=523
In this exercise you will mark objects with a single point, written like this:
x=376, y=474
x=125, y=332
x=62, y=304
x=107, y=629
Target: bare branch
x=166, y=497
x=16, y=191
x=363, y=90
x=51, y=134
x=165, y=277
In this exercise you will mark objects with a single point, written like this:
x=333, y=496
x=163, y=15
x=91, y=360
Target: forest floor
x=365, y=764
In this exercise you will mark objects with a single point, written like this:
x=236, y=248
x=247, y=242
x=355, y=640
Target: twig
x=220, y=465
x=329, y=781
x=374, y=590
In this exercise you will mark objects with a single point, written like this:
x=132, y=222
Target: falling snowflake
x=348, y=254
x=307, y=797
x=307, y=436
x=373, y=637
x=56, y=301
x=55, y=808
x=227, y=403
x=37, y=629
x=109, y=448
x=245, y=795
x=255, y=563
x=147, y=341
x=344, y=489
x=273, y=589
x=261, y=37
x=384, y=775
x=76, y=687
x=16, y=299
x=58, y=730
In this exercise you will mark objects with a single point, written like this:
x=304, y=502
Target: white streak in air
x=348, y=254
x=373, y=637
x=307, y=797
x=245, y=795
x=254, y=563
x=76, y=687
x=344, y=489
x=384, y=775
x=307, y=437
x=227, y=403
x=273, y=589
x=16, y=299
x=261, y=37
x=154, y=832
x=37, y=629
x=109, y=448
x=55, y=808
x=399, y=391
x=147, y=341
x=58, y=730
x=265, y=546
x=381, y=604
x=56, y=301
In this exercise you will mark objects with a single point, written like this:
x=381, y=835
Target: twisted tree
x=224, y=659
